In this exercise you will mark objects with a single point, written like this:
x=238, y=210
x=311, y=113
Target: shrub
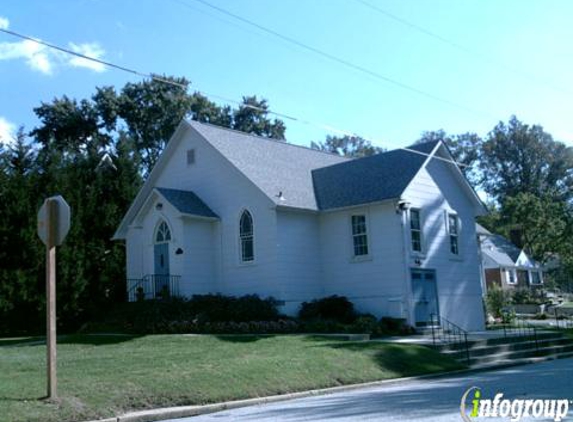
x=367, y=324
x=334, y=308
x=528, y=297
x=218, y=308
x=178, y=315
x=394, y=326
x=322, y=326
x=496, y=300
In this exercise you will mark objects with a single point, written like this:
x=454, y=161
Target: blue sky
x=510, y=57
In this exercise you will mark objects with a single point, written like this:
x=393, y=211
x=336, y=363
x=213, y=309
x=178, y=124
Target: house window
x=359, y=237
x=416, y=230
x=246, y=237
x=453, y=229
x=163, y=234
x=535, y=277
x=190, y=157
x=511, y=277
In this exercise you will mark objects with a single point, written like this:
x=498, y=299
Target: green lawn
x=100, y=376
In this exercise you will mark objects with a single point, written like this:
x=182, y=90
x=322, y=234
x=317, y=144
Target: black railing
x=518, y=329
x=447, y=333
x=562, y=320
x=153, y=286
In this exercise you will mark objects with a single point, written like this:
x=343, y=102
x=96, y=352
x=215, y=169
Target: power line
x=322, y=126
x=342, y=61
x=460, y=47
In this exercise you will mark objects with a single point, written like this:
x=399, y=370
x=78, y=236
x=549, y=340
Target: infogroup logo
x=475, y=406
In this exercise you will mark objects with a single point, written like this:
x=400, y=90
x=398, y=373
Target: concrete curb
x=154, y=415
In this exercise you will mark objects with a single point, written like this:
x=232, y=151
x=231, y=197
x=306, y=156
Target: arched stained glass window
x=163, y=234
x=246, y=237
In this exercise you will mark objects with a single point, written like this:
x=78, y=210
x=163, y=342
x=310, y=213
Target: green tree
x=251, y=117
x=95, y=152
x=518, y=158
x=347, y=146
x=465, y=149
x=544, y=224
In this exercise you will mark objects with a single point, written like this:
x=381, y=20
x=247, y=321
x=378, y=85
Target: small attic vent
x=190, y=157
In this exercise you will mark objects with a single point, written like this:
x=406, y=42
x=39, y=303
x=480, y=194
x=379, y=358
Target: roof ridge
x=264, y=138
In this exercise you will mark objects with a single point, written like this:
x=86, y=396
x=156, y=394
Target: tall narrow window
x=511, y=277
x=535, y=277
x=163, y=233
x=359, y=236
x=453, y=228
x=416, y=230
x=246, y=237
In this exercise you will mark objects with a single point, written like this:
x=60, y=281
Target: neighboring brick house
x=505, y=265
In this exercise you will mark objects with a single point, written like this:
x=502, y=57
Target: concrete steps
x=510, y=350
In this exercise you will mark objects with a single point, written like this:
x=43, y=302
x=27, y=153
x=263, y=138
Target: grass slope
x=101, y=376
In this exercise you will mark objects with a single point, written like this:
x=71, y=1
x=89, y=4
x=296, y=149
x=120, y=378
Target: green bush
x=394, y=326
x=496, y=301
x=528, y=297
x=333, y=308
x=367, y=324
x=178, y=315
x=219, y=308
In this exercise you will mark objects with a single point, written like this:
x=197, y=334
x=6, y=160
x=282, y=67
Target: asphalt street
x=428, y=400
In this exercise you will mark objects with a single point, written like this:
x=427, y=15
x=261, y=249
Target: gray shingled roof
x=481, y=230
x=370, y=179
x=273, y=166
x=187, y=202
x=501, y=250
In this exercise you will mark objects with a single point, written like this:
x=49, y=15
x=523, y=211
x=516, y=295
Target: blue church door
x=161, y=275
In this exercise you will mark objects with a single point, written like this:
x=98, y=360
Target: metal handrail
x=562, y=324
x=520, y=329
x=153, y=286
x=451, y=334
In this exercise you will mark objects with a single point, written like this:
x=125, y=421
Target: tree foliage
x=347, y=146
x=95, y=152
x=518, y=158
x=465, y=149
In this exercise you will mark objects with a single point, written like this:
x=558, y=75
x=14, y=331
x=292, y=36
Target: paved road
x=430, y=400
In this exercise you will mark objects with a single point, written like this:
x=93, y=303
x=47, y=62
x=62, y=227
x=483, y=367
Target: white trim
x=240, y=240
x=447, y=214
x=353, y=256
x=507, y=272
x=160, y=220
x=422, y=252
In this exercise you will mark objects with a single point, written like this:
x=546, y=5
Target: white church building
x=232, y=213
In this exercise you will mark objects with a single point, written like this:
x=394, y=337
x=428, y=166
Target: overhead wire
x=323, y=126
x=346, y=63
x=468, y=51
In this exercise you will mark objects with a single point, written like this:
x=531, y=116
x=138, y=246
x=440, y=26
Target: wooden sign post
x=53, y=226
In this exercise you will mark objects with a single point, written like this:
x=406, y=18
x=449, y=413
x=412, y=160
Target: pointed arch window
x=246, y=237
x=163, y=234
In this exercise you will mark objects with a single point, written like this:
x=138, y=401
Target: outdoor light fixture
x=179, y=251
x=159, y=206
x=402, y=206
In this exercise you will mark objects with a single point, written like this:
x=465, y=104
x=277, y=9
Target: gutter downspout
x=407, y=282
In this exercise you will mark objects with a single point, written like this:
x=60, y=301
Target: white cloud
x=44, y=59
x=36, y=56
x=4, y=23
x=92, y=50
x=7, y=131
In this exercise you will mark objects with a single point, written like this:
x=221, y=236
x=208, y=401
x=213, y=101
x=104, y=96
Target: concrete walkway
x=436, y=400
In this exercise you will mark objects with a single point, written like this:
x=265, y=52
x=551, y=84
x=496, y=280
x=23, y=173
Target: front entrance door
x=161, y=276
x=425, y=296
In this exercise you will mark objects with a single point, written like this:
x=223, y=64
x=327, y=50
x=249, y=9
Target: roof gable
x=275, y=167
x=186, y=202
x=370, y=179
